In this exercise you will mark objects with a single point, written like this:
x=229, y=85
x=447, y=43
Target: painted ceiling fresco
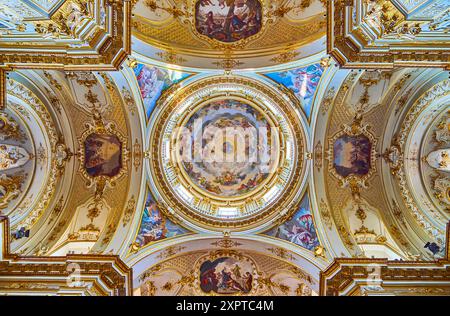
x=155, y=225
x=302, y=81
x=230, y=175
x=228, y=21
x=225, y=147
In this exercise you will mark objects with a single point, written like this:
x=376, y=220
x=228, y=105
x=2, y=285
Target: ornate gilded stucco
x=270, y=276
x=275, y=197
x=289, y=26
x=69, y=35
x=92, y=177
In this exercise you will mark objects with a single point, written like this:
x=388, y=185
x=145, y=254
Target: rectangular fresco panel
x=302, y=82
x=153, y=81
x=352, y=155
x=299, y=230
x=155, y=226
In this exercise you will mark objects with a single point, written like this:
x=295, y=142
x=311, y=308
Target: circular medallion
x=226, y=153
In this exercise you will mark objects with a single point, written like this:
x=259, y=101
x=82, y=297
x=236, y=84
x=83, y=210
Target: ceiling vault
x=224, y=147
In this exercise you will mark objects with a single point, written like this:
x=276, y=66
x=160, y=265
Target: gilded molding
x=2, y=89
x=375, y=34
x=44, y=272
x=439, y=90
x=21, y=92
x=172, y=204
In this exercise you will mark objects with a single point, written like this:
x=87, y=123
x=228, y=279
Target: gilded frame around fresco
x=240, y=44
x=354, y=130
x=107, y=51
x=103, y=128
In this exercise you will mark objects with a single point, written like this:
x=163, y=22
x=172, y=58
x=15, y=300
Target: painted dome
x=227, y=149
x=227, y=154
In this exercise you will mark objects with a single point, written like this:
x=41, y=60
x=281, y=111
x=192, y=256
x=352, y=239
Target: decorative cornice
x=107, y=273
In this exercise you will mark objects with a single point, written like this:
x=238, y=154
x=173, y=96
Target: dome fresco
x=226, y=148
x=234, y=156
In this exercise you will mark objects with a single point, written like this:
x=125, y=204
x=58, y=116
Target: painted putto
x=226, y=275
x=228, y=20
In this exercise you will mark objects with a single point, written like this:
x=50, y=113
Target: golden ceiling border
x=351, y=49
x=3, y=96
x=350, y=274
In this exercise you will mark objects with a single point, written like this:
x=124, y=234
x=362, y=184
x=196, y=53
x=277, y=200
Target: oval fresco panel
x=352, y=155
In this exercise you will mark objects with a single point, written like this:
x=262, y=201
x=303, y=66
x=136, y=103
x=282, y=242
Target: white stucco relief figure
x=12, y=156
x=440, y=159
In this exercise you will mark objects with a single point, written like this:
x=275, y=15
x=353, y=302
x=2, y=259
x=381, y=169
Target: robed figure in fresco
x=228, y=20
